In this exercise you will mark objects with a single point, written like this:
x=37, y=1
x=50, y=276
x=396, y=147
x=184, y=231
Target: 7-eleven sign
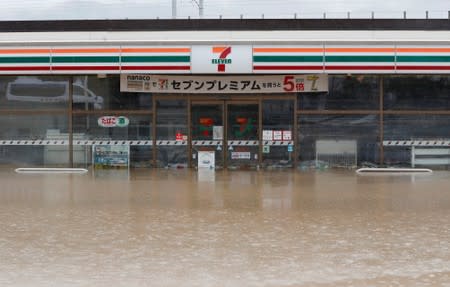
x=220, y=59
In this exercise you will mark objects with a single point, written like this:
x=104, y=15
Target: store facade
x=240, y=100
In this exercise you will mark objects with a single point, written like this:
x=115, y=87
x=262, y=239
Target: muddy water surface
x=184, y=228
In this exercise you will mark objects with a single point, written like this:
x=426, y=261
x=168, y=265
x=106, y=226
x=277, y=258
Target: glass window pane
x=171, y=133
x=34, y=92
x=337, y=140
x=34, y=140
x=98, y=129
x=103, y=93
x=278, y=116
x=429, y=92
x=433, y=128
x=359, y=92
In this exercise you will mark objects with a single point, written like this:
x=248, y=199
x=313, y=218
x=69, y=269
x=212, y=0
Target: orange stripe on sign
x=218, y=50
x=86, y=50
x=360, y=50
x=156, y=50
x=424, y=50
x=287, y=50
x=24, y=51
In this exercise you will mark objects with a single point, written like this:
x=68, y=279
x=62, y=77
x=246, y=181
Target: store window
x=172, y=133
x=417, y=92
x=278, y=117
x=34, y=140
x=351, y=92
x=403, y=128
x=34, y=92
x=113, y=130
x=103, y=93
x=338, y=140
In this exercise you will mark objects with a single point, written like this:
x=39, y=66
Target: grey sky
x=150, y=9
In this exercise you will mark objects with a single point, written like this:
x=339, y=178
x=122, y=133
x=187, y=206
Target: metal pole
x=404, y=14
x=426, y=14
x=373, y=15
x=174, y=9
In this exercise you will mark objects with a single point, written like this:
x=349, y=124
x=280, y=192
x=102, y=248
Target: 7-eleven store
x=242, y=96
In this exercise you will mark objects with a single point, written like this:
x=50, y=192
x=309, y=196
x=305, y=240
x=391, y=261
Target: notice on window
x=241, y=155
x=111, y=156
x=217, y=132
x=287, y=135
x=277, y=135
x=267, y=135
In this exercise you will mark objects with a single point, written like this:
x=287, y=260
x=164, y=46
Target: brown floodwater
x=239, y=228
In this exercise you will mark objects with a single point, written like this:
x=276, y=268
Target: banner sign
x=223, y=84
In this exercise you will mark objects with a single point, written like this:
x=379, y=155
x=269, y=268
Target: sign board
x=113, y=121
x=221, y=59
x=266, y=149
x=277, y=135
x=267, y=135
x=180, y=137
x=206, y=159
x=240, y=155
x=223, y=84
x=217, y=132
x=111, y=156
x=287, y=135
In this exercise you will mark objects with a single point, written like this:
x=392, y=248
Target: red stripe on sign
x=223, y=55
x=360, y=68
x=158, y=68
x=24, y=68
x=423, y=67
x=85, y=68
x=287, y=67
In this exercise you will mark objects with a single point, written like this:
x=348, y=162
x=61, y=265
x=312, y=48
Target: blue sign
x=290, y=148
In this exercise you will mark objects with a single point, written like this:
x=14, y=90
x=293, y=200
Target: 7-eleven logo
x=223, y=53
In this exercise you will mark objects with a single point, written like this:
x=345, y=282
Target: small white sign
x=287, y=135
x=277, y=135
x=240, y=155
x=217, y=132
x=206, y=159
x=267, y=135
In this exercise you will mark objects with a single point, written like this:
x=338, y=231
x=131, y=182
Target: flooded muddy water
x=255, y=228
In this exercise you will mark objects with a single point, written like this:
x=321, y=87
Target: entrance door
x=207, y=134
x=225, y=133
x=242, y=135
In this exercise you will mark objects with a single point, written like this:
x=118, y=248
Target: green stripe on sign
x=86, y=59
x=280, y=59
x=433, y=59
x=156, y=59
x=354, y=59
x=13, y=60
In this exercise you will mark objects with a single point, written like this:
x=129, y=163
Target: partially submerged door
x=207, y=133
x=242, y=133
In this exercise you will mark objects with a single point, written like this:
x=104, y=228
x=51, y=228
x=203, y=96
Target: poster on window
x=111, y=156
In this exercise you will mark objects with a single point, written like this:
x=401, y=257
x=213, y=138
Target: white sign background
x=223, y=84
x=241, y=60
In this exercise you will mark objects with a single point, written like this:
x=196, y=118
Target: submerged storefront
x=243, y=99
